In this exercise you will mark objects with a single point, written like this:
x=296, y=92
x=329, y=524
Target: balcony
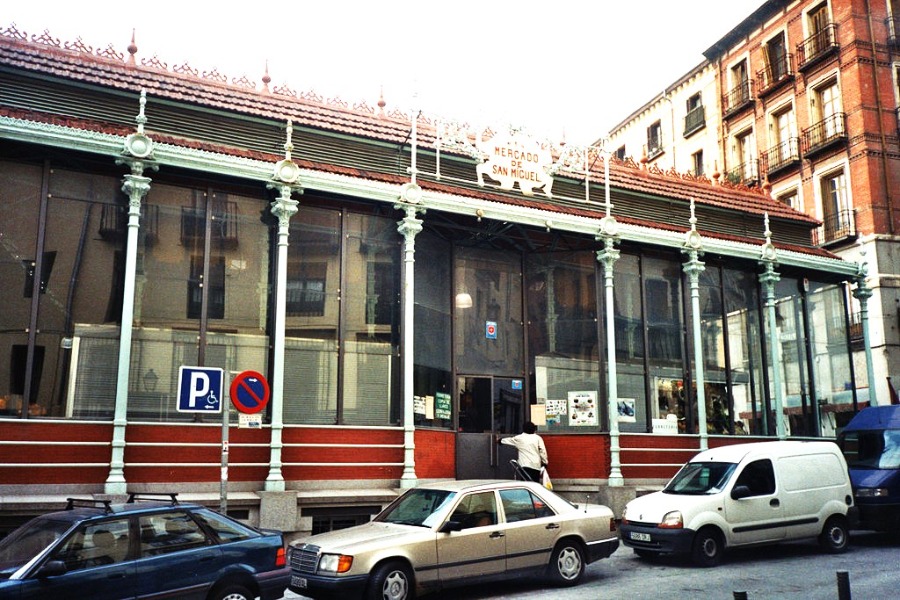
x=836, y=227
x=782, y=157
x=744, y=174
x=738, y=98
x=654, y=149
x=825, y=134
x=770, y=79
x=695, y=120
x=817, y=47
x=893, y=27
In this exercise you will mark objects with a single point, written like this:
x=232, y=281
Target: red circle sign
x=249, y=392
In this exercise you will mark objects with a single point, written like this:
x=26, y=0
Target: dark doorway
x=488, y=406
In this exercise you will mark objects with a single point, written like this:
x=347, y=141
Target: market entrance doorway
x=488, y=406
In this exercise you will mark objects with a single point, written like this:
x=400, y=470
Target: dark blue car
x=141, y=549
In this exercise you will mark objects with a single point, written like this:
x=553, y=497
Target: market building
x=407, y=286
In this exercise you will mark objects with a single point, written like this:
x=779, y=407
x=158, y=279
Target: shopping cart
x=518, y=472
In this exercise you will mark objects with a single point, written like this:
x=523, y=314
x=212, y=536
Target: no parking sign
x=249, y=392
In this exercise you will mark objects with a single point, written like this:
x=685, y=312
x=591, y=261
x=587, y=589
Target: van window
x=872, y=449
x=759, y=476
x=700, y=478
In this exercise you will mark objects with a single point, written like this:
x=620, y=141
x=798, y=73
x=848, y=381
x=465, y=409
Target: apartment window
x=783, y=143
x=776, y=58
x=654, y=140
x=215, y=288
x=620, y=153
x=746, y=166
x=739, y=94
x=695, y=118
x=790, y=197
x=837, y=216
x=697, y=162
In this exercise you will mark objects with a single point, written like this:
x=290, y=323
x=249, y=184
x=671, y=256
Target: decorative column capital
x=410, y=225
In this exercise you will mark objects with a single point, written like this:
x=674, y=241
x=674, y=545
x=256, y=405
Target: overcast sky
x=573, y=67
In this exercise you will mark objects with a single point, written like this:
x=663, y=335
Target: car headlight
x=672, y=520
x=335, y=563
x=871, y=493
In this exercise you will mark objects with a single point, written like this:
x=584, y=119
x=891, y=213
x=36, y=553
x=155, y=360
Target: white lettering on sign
x=516, y=158
x=198, y=391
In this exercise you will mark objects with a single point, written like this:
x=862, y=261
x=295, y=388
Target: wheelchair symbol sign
x=199, y=390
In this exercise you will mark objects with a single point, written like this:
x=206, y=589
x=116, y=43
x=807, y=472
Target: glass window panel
x=313, y=311
x=630, y=349
x=831, y=357
x=488, y=292
x=432, y=381
x=744, y=350
x=371, y=326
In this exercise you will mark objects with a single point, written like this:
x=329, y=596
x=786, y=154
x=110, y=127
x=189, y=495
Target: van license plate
x=299, y=582
x=640, y=537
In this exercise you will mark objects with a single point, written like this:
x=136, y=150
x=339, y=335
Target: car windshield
x=875, y=449
x=421, y=507
x=27, y=541
x=698, y=478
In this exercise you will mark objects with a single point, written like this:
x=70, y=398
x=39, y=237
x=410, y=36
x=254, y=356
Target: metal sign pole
x=223, y=486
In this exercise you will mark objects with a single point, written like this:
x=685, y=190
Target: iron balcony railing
x=782, y=156
x=778, y=71
x=737, y=98
x=695, y=120
x=746, y=173
x=826, y=133
x=837, y=226
x=893, y=27
x=817, y=46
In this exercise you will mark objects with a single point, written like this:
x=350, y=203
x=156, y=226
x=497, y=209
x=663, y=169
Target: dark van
x=871, y=445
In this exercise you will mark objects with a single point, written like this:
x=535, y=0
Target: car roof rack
x=72, y=503
x=152, y=497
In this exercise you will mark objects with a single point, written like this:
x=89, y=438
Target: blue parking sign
x=200, y=389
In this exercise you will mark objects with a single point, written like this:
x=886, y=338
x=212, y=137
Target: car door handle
x=552, y=526
x=774, y=503
x=497, y=534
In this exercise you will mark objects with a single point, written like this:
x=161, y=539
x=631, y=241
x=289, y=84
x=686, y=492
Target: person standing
x=532, y=453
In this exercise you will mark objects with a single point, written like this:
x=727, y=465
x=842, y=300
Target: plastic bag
x=545, y=479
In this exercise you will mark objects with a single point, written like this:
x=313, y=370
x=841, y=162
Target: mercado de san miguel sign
x=513, y=158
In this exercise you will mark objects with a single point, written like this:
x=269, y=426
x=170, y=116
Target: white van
x=745, y=494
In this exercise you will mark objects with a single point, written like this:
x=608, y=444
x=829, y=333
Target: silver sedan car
x=455, y=533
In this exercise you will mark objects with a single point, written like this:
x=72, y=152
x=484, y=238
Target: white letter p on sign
x=199, y=387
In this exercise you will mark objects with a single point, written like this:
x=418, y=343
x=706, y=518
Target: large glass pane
x=20, y=192
x=313, y=313
x=712, y=336
x=432, y=381
x=371, y=326
x=830, y=357
x=664, y=322
x=744, y=351
x=562, y=336
x=182, y=293
x=791, y=335
x=488, y=333
x=630, y=349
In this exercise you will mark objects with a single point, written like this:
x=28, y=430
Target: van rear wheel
x=708, y=547
x=835, y=536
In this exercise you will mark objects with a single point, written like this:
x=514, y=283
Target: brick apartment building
x=801, y=99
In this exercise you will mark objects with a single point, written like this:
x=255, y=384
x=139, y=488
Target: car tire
x=835, y=536
x=567, y=563
x=231, y=591
x=391, y=581
x=708, y=547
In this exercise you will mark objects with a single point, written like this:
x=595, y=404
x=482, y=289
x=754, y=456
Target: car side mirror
x=52, y=568
x=450, y=526
x=740, y=491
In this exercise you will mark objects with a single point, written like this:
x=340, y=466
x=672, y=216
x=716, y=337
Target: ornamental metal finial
x=768, y=248
x=286, y=170
x=692, y=239
x=139, y=145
